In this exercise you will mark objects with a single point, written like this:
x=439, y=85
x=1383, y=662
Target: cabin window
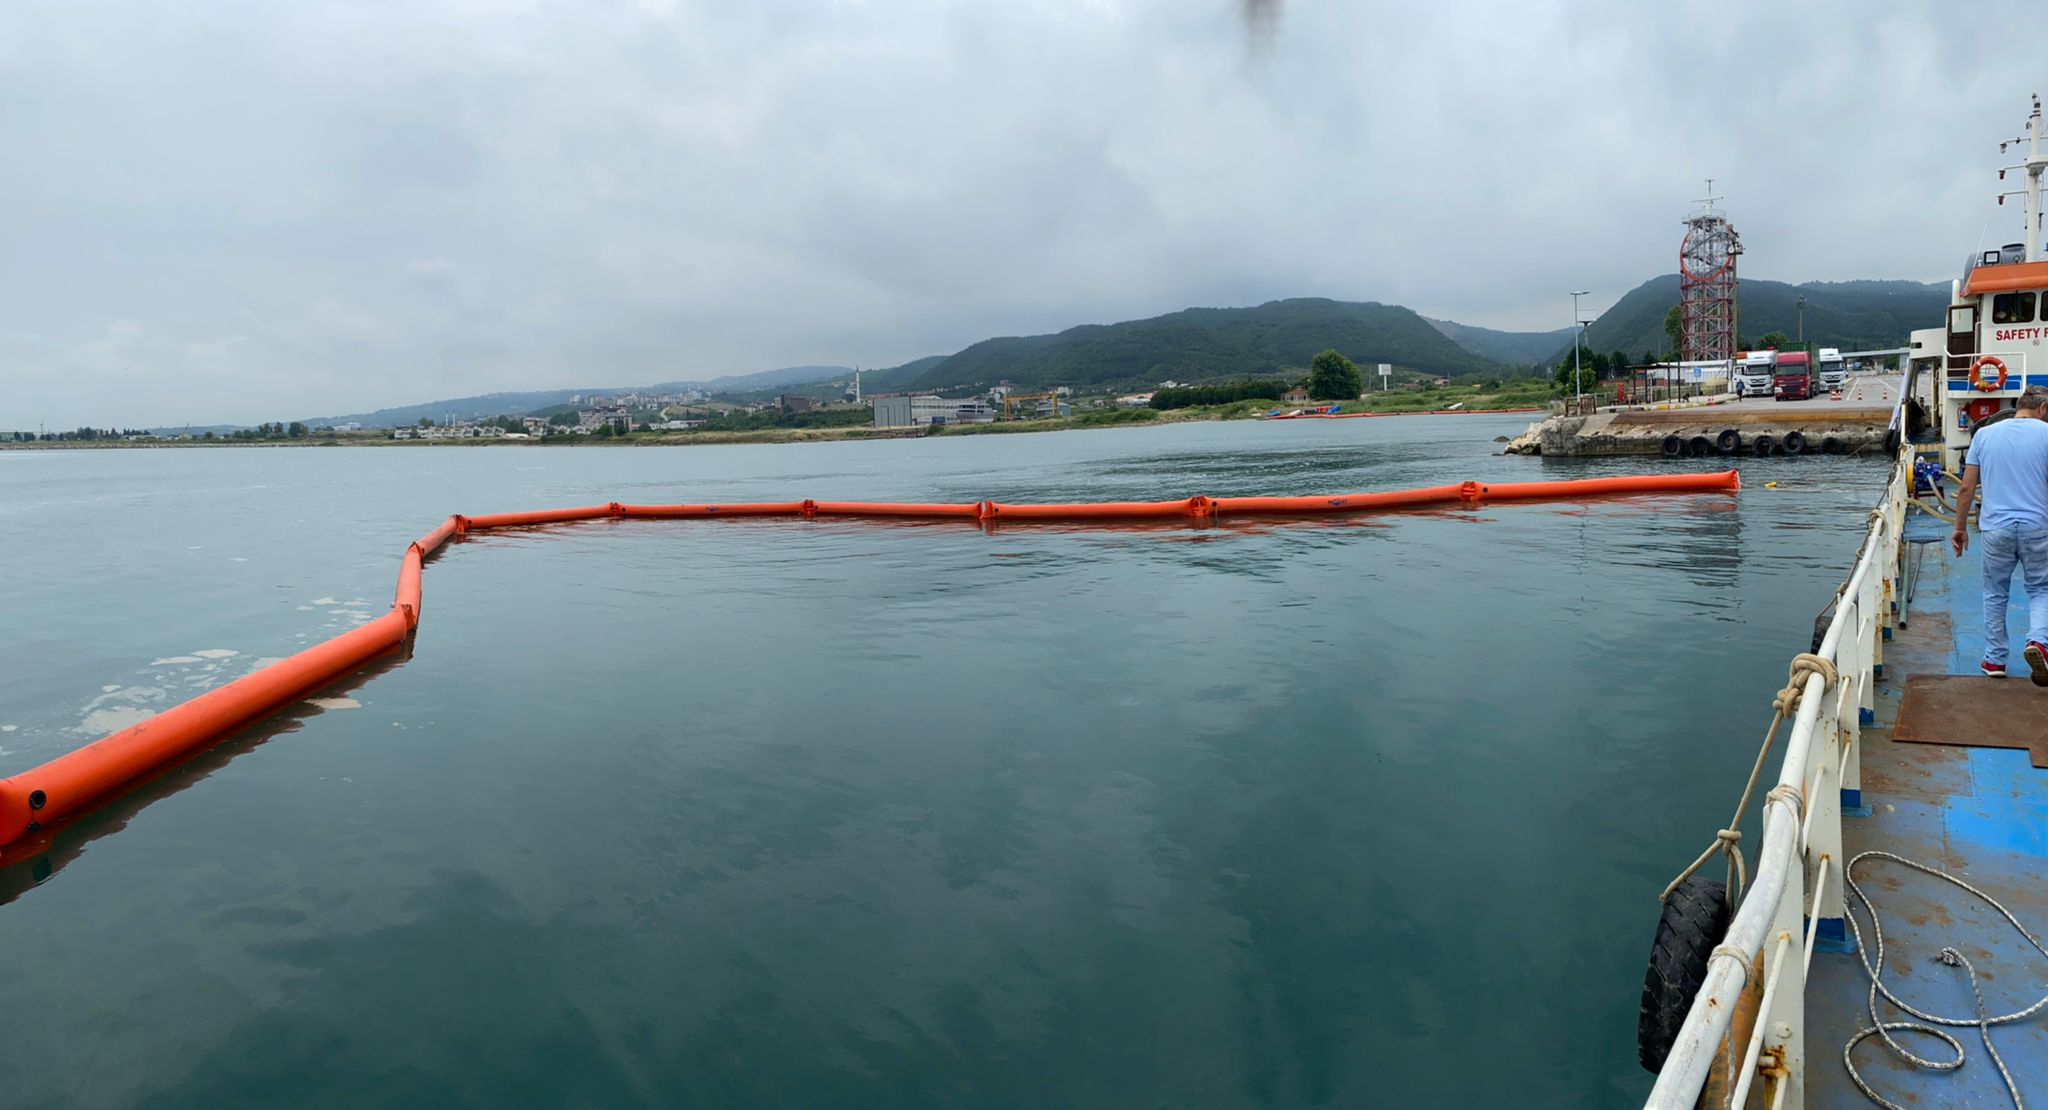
x=2012, y=308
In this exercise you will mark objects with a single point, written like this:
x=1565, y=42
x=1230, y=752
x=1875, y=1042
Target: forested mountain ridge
x=1199, y=344
x=1851, y=315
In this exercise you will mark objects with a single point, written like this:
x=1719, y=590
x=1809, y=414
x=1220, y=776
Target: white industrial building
x=924, y=410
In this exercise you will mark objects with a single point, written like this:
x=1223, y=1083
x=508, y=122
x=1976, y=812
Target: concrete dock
x=1855, y=424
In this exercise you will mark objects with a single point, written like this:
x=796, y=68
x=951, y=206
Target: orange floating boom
x=527, y=520
x=432, y=541
x=705, y=512
x=35, y=800
x=1195, y=507
x=72, y=783
x=882, y=510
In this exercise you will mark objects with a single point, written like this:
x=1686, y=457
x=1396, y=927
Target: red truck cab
x=1792, y=380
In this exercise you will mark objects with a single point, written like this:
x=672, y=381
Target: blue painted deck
x=1978, y=813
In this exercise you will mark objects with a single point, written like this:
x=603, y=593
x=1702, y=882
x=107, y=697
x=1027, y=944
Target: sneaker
x=1992, y=670
x=2037, y=659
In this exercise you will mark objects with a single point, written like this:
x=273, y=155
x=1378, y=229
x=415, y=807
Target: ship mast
x=2036, y=163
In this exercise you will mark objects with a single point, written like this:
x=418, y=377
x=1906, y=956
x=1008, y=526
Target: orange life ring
x=1977, y=374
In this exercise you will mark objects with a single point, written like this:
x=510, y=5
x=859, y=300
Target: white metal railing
x=2015, y=369
x=1798, y=881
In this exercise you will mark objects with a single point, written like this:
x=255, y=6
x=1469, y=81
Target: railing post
x=1823, y=849
x=1784, y=1059
x=1871, y=665
x=1861, y=709
x=1845, y=718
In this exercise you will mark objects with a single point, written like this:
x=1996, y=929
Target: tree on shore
x=1332, y=377
x=1588, y=376
x=1251, y=389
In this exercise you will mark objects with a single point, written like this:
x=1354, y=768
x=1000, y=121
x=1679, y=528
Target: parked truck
x=1754, y=372
x=1792, y=378
x=1834, y=373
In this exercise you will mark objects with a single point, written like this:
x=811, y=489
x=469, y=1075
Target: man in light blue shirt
x=2010, y=460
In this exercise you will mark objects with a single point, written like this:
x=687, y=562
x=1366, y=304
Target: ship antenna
x=2035, y=164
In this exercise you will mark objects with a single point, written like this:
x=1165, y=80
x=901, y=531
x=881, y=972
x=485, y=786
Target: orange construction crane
x=1010, y=401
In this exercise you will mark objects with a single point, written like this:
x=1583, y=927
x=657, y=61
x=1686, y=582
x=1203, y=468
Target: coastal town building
x=923, y=410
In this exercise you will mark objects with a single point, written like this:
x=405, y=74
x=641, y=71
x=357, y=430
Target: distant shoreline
x=1084, y=422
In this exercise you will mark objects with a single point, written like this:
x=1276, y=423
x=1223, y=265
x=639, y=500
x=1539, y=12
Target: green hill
x=1852, y=315
x=896, y=378
x=1205, y=344
x=1514, y=348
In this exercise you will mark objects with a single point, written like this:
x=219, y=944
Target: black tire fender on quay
x=1795, y=443
x=1701, y=447
x=1728, y=442
x=1673, y=447
x=1765, y=446
x=1694, y=921
x=1891, y=441
x=1829, y=445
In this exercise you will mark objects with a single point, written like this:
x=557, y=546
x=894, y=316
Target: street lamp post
x=1578, y=383
x=1802, y=321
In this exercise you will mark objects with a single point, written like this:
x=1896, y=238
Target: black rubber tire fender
x=1765, y=446
x=1829, y=445
x=1701, y=447
x=1695, y=919
x=1729, y=442
x=1795, y=443
x=1673, y=447
x=1891, y=441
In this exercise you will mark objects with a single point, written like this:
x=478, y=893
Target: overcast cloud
x=243, y=211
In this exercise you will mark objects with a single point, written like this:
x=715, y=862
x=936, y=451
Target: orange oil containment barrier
x=33, y=801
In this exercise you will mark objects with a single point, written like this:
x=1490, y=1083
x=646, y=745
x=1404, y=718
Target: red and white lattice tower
x=1706, y=284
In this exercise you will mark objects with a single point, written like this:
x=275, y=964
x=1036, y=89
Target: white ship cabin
x=1992, y=348
x=1998, y=315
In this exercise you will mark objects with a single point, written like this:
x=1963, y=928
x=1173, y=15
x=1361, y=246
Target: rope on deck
x=1874, y=968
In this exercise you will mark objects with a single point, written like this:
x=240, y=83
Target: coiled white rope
x=1949, y=956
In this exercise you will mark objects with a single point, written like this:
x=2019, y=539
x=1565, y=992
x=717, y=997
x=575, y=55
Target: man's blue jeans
x=2028, y=548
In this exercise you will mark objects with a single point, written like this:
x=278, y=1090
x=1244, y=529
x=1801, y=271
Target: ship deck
x=1978, y=813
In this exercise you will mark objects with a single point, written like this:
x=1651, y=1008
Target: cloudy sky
x=239, y=211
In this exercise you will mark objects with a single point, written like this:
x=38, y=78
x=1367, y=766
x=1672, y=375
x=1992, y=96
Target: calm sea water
x=823, y=814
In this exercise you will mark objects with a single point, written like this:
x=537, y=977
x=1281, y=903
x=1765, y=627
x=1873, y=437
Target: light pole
x=1802, y=321
x=1578, y=385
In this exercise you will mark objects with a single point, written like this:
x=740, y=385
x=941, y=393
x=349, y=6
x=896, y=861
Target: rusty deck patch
x=1975, y=712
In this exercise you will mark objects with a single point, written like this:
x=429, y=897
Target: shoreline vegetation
x=1519, y=395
